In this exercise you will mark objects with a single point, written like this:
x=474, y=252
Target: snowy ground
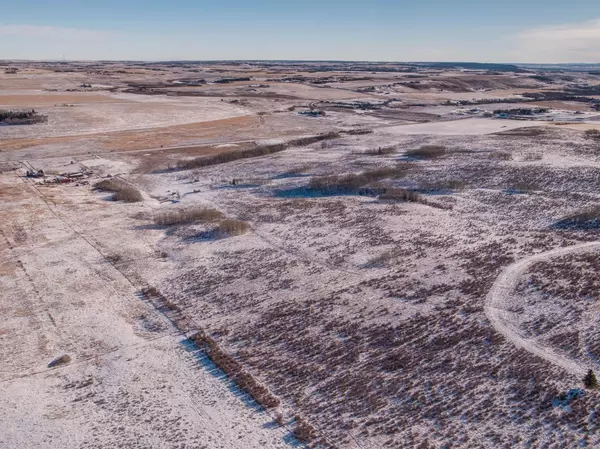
x=462, y=127
x=383, y=324
x=134, y=380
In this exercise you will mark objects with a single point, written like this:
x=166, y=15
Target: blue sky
x=400, y=30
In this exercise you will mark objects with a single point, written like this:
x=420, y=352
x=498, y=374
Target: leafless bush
x=304, y=431
x=109, y=185
x=187, y=216
x=357, y=132
x=114, y=258
x=427, y=152
x=122, y=191
x=261, y=150
x=128, y=194
x=232, y=227
x=22, y=117
x=404, y=195
x=279, y=419
x=592, y=133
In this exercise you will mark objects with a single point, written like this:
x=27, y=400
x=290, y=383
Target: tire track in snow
x=497, y=310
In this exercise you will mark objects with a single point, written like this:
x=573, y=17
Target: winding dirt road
x=499, y=306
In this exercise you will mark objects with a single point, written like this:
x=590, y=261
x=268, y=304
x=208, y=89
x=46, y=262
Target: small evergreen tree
x=590, y=380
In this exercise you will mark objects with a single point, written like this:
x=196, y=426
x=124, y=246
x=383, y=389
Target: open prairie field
x=271, y=255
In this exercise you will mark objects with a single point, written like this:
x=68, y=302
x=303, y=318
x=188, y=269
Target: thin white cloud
x=579, y=42
x=53, y=32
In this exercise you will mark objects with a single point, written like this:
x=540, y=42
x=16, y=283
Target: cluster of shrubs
x=122, y=191
x=410, y=196
x=358, y=132
x=261, y=150
x=187, y=216
x=231, y=80
x=234, y=370
x=304, y=431
x=356, y=183
x=231, y=227
x=366, y=183
x=404, y=195
x=22, y=118
x=593, y=133
x=159, y=300
x=191, y=215
x=427, y=152
x=522, y=111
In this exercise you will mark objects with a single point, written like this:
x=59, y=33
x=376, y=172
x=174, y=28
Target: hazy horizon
x=538, y=32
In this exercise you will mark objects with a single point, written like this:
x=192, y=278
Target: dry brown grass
x=187, y=216
x=121, y=190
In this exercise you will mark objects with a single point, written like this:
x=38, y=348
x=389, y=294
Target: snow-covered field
x=391, y=285
x=134, y=380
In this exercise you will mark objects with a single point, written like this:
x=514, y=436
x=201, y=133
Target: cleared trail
x=499, y=302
